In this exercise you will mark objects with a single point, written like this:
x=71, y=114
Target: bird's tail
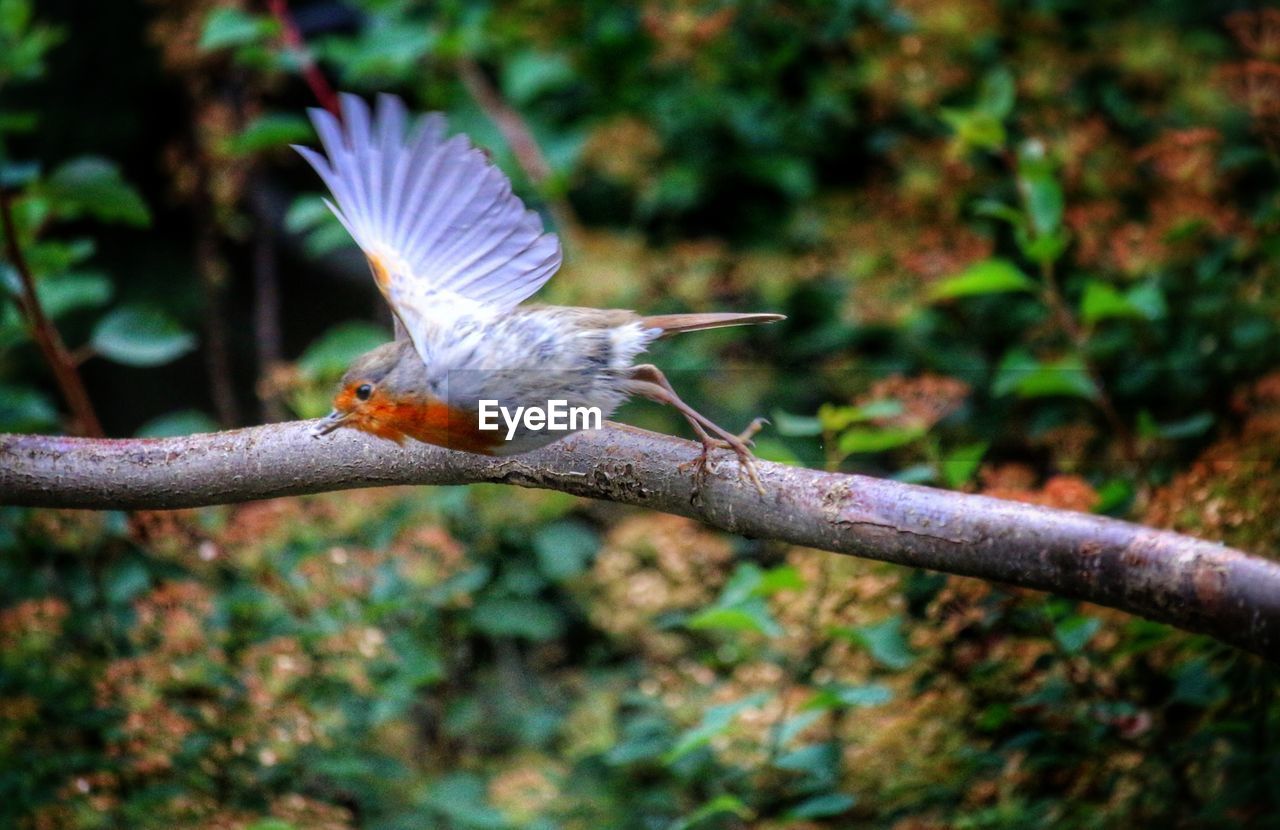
x=670, y=324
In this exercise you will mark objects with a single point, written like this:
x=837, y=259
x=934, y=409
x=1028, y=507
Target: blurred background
x=1026, y=249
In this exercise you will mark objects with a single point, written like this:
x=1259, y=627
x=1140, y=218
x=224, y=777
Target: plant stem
x=1067, y=322
x=212, y=270
x=1080, y=339
x=523, y=145
x=311, y=73
x=55, y=352
x=266, y=308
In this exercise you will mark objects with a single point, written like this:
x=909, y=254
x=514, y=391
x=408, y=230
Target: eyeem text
x=556, y=416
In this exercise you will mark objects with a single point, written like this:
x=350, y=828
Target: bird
x=455, y=253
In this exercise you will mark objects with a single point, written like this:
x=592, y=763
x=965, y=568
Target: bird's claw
x=741, y=445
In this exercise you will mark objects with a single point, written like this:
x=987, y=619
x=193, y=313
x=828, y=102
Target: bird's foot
x=740, y=444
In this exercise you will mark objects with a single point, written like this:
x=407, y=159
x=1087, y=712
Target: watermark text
x=556, y=416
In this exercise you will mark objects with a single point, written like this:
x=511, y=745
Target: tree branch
x=60, y=360
x=1193, y=584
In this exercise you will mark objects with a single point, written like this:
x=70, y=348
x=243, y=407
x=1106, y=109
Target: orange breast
x=426, y=420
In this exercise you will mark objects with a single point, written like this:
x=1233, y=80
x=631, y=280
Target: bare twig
x=55, y=352
x=266, y=307
x=212, y=271
x=1187, y=582
x=311, y=73
x=1080, y=340
x=1051, y=293
x=523, y=145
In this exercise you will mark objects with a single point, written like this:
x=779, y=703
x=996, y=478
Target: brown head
x=367, y=394
x=385, y=393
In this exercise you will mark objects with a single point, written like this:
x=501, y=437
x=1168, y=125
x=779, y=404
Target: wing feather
x=435, y=217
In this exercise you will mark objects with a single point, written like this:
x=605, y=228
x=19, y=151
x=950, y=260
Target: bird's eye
x=363, y=391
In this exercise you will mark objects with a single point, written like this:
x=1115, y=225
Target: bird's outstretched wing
x=438, y=221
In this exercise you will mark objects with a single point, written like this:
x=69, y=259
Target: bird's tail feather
x=671, y=324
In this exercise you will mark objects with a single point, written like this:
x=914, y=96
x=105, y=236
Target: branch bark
x=1190, y=583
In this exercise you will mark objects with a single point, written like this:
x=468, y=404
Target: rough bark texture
x=1196, y=585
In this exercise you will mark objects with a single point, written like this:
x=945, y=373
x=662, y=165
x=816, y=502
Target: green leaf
x=998, y=210
x=883, y=640
x=267, y=132
x=1192, y=426
x=272, y=824
x=1042, y=248
x=327, y=238
x=975, y=129
x=1044, y=201
x=741, y=605
x=15, y=17
x=834, y=418
x=796, y=724
x=990, y=276
x=720, y=805
x=226, y=27
x=564, y=549
x=530, y=619
x=871, y=440
x=675, y=188
x=63, y=293
x=781, y=578
x=182, y=422
x=959, y=465
x=772, y=449
x=49, y=256
x=92, y=186
x=1189, y=427
x=921, y=473
x=822, y=806
x=1148, y=300
x=747, y=616
x=1022, y=375
x=715, y=721
x=126, y=580
x=1075, y=632
x=1114, y=495
x=529, y=74
x=463, y=798
x=306, y=213
x=23, y=45
x=16, y=174
x=140, y=336
x=838, y=695
x=742, y=584
x=334, y=351
x=997, y=94
x=1101, y=301
x=795, y=426
x=391, y=48
x=1196, y=684
x=309, y=215
x=817, y=762
x=1045, y=204
x=791, y=175
x=23, y=409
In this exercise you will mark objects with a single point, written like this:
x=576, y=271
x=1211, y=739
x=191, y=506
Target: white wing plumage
x=437, y=220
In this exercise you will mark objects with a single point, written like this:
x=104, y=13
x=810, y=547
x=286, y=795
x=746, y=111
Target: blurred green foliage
x=1027, y=250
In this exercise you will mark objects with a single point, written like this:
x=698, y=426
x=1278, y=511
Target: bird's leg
x=648, y=381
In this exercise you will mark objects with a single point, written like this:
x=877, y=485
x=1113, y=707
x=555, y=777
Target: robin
x=455, y=252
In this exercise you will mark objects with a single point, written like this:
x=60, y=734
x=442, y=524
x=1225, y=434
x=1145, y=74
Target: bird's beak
x=329, y=423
